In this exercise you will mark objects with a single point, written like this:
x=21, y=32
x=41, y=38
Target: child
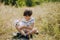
x=26, y=25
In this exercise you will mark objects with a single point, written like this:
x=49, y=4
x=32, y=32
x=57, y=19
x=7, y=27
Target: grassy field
x=47, y=17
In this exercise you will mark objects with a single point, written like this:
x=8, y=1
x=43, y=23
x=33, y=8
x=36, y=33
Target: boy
x=26, y=25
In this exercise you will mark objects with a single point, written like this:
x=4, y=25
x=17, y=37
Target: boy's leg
x=33, y=31
x=20, y=29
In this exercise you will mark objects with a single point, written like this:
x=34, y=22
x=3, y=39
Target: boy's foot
x=31, y=36
x=37, y=33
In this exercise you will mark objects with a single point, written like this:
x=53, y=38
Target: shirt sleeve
x=20, y=24
x=33, y=21
x=16, y=22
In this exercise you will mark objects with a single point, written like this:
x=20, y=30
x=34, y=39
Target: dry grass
x=9, y=14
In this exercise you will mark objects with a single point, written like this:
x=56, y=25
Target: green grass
x=47, y=17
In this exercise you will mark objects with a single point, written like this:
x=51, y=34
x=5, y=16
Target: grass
x=47, y=17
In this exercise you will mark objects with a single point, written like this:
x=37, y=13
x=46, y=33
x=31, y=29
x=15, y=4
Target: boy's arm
x=20, y=30
x=31, y=26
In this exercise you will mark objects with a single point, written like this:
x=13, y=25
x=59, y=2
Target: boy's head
x=27, y=14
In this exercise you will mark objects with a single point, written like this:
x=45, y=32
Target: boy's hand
x=30, y=27
x=23, y=33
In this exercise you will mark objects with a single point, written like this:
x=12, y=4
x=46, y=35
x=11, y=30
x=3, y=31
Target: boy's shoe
x=18, y=35
x=31, y=36
x=31, y=39
x=27, y=36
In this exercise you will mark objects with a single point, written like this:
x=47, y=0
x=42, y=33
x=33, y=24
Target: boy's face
x=27, y=17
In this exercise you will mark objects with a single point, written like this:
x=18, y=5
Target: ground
x=9, y=14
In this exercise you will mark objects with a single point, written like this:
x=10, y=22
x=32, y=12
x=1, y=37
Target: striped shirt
x=23, y=22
